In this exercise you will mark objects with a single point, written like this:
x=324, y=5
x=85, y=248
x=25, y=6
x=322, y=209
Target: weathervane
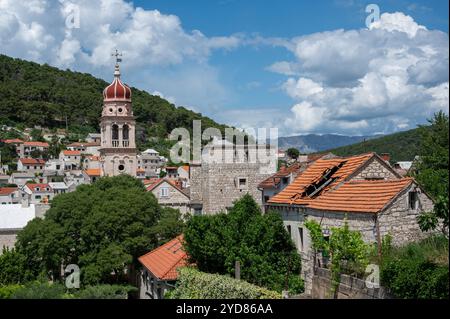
x=117, y=55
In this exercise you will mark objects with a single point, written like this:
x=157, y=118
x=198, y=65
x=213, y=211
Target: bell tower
x=118, y=146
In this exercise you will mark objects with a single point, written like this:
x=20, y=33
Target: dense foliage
x=417, y=270
x=293, y=153
x=33, y=94
x=193, y=284
x=402, y=146
x=45, y=290
x=259, y=242
x=102, y=228
x=346, y=248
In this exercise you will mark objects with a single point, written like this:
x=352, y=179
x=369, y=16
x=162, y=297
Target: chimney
x=25, y=202
x=386, y=157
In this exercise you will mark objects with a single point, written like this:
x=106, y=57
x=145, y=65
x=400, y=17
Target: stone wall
x=400, y=221
x=216, y=186
x=7, y=239
x=349, y=287
x=375, y=169
x=175, y=198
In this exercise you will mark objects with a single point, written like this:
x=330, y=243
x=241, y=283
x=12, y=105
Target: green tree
x=13, y=269
x=117, y=222
x=433, y=171
x=258, y=241
x=293, y=153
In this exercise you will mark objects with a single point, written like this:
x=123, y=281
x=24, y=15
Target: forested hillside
x=33, y=94
x=402, y=146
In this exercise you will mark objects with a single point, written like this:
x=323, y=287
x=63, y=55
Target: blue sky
x=301, y=66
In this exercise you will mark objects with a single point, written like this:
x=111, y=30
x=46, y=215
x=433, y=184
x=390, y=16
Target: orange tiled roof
x=33, y=187
x=7, y=190
x=94, y=158
x=293, y=193
x=71, y=153
x=93, y=172
x=32, y=161
x=275, y=179
x=13, y=141
x=361, y=196
x=185, y=167
x=36, y=144
x=164, y=261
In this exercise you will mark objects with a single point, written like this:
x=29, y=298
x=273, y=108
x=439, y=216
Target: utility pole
x=237, y=270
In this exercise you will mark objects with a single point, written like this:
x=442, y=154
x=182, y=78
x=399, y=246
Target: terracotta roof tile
x=36, y=144
x=292, y=194
x=71, y=153
x=164, y=261
x=93, y=172
x=39, y=187
x=32, y=161
x=7, y=190
x=361, y=196
x=275, y=179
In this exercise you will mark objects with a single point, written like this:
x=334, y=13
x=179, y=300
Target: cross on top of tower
x=117, y=55
x=118, y=59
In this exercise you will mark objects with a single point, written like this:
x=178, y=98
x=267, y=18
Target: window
x=197, y=211
x=413, y=199
x=121, y=168
x=266, y=199
x=242, y=182
x=164, y=192
x=300, y=235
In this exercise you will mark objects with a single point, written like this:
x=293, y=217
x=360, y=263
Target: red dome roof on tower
x=117, y=91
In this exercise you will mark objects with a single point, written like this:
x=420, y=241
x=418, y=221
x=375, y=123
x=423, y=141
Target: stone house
x=26, y=149
x=59, y=187
x=71, y=159
x=364, y=190
x=94, y=138
x=278, y=181
x=30, y=165
x=159, y=269
x=21, y=179
x=37, y=193
x=226, y=173
x=169, y=193
x=9, y=195
x=85, y=148
x=151, y=162
x=91, y=175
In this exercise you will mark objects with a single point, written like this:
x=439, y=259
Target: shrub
x=104, y=292
x=193, y=284
x=39, y=290
x=418, y=270
x=6, y=292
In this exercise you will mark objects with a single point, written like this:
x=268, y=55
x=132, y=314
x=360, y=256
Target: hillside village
x=374, y=197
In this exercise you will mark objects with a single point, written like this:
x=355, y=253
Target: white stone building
x=30, y=165
x=169, y=194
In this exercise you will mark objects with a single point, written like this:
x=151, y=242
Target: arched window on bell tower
x=125, y=136
x=115, y=135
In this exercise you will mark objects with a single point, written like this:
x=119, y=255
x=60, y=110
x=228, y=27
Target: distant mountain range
x=312, y=143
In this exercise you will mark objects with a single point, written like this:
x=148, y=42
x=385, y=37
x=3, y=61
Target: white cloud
x=149, y=40
x=397, y=22
x=389, y=77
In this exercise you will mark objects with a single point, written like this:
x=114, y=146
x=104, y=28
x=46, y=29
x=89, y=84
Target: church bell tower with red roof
x=118, y=146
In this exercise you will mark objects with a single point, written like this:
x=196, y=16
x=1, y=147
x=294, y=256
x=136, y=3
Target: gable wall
x=375, y=169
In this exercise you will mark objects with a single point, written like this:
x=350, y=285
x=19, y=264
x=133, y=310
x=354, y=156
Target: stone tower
x=118, y=125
